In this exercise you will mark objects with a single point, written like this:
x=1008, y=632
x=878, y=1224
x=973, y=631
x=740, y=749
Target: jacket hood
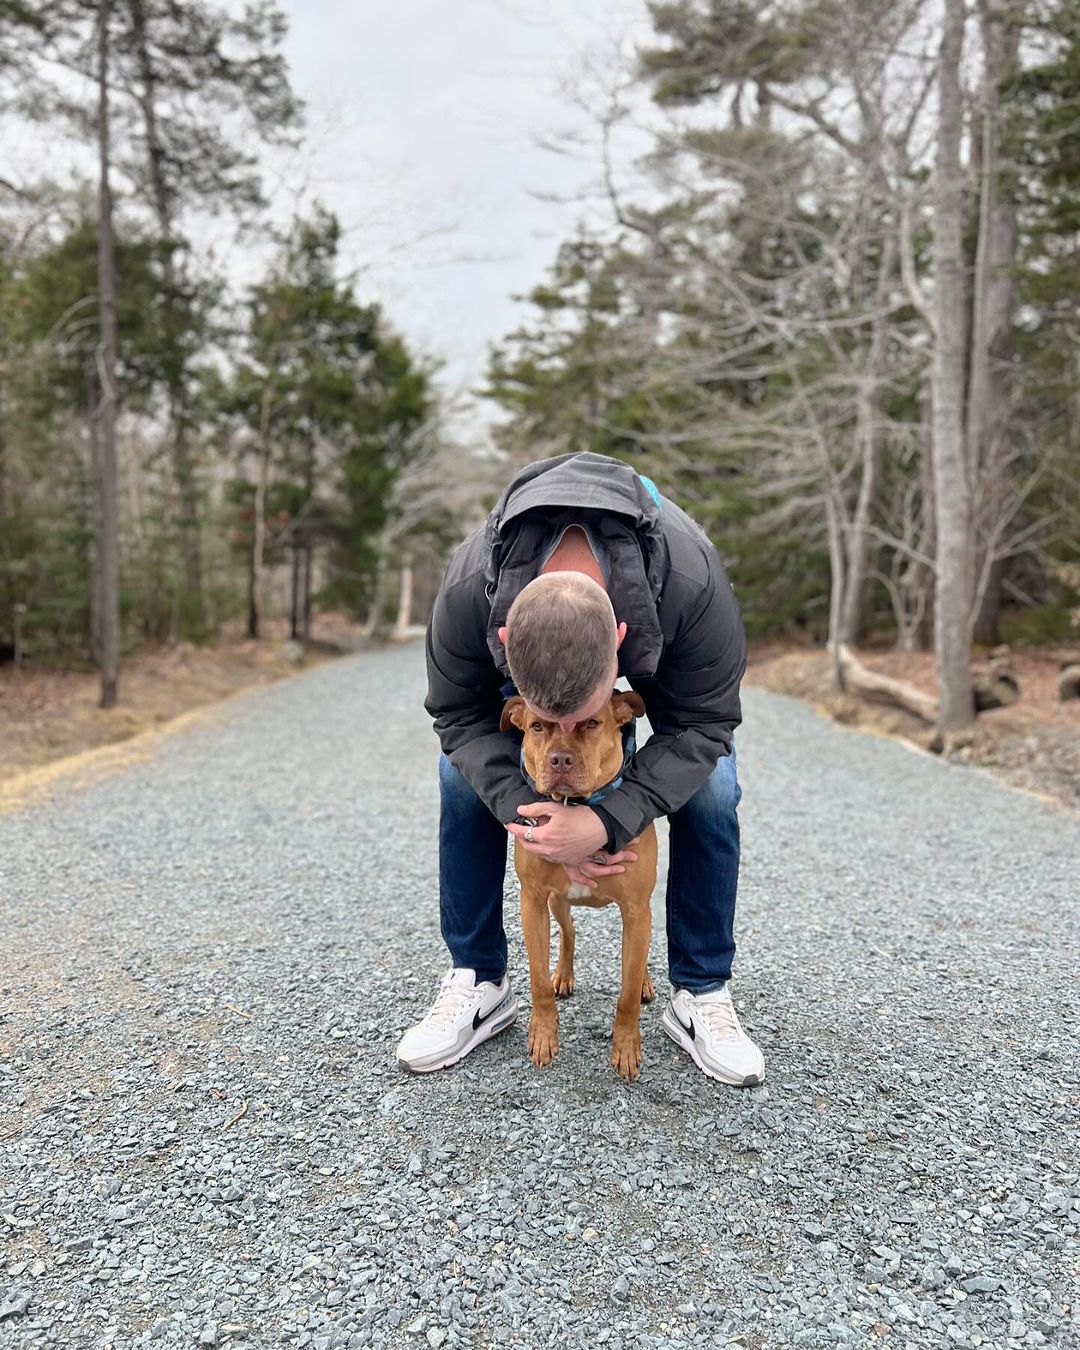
x=587, y=481
x=555, y=492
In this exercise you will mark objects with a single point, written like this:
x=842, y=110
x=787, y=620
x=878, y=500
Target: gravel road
x=207, y=960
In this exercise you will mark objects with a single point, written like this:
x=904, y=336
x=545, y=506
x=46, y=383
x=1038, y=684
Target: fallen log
x=879, y=688
x=994, y=688
x=1069, y=683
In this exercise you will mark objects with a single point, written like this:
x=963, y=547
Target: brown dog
x=569, y=765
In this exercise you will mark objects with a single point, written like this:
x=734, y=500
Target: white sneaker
x=464, y=1014
x=707, y=1028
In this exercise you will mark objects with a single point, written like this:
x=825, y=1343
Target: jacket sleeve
x=693, y=705
x=465, y=699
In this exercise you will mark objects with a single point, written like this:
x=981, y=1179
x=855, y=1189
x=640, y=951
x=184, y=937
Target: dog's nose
x=562, y=761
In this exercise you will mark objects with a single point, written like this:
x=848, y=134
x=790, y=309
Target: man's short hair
x=560, y=641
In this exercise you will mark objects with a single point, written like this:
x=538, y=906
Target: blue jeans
x=703, y=876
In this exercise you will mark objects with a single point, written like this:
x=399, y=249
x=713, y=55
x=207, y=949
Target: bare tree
x=204, y=84
x=990, y=383
x=436, y=499
x=257, y=570
x=952, y=496
x=107, y=548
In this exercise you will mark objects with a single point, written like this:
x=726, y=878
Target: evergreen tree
x=193, y=88
x=207, y=86
x=49, y=346
x=330, y=404
x=1044, y=106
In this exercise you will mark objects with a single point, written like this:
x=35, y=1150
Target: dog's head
x=574, y=763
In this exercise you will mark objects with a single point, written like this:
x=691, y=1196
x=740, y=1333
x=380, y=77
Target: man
x=584, y=573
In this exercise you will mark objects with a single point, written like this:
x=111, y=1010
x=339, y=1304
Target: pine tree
x=207, y=86
x=330, y=403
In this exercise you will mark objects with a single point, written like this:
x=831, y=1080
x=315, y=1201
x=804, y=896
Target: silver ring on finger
x=529, y=835
x=600, y=858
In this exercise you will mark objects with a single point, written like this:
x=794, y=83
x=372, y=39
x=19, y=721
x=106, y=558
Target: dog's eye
x=536, y=726
x=591, y=723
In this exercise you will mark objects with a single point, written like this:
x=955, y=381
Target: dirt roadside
x=1033, y=745
x=50, y=723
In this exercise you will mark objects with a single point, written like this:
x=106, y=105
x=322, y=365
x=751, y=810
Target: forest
x=832, y=312
x=177, y=454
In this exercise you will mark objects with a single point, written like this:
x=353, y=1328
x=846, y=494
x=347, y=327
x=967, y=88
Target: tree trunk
x=294, y=595
x=253, y=574
x=305, y=613
x=175, y=325
x=9, y=579
x=374, y=625
x=989, y=384
x=924, y=581
x=93, y=428
x=952, y=619
x=867, y=438
x=107, y=549
x=309, y=493
x=836, y=582
x=3, y=464
x=17, y=611
x=405, y=594
x=986, y=630
x=258, y=528
x=184, y=472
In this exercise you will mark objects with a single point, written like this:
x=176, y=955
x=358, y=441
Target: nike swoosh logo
x=689, y=1029
x=479, y=1021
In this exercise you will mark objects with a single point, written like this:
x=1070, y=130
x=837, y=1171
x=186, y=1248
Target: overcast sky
x=424, y=122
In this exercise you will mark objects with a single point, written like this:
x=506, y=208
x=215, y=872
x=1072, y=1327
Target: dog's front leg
x=626, y=1033
x=544, y=1021
x=563, y=979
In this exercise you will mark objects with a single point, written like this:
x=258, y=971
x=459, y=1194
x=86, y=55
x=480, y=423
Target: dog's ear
x=513, y=713
x=626, y=705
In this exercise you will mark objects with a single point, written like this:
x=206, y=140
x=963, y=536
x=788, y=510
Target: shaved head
x=561, y=639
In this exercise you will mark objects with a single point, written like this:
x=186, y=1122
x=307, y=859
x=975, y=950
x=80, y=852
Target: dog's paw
x=648, y=989
x=626, y=1053
x=543, y=1042
x=563, y=980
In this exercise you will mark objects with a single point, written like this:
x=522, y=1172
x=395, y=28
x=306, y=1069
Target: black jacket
x=684, y=650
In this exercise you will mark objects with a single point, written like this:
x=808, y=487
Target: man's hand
x=585, y=874
x=571, y=835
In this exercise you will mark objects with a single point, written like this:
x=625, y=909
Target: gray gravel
x=204, y=1139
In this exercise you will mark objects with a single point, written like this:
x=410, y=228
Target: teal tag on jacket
x=652, y=490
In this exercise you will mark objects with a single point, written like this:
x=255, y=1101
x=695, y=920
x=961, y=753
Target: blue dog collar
x=629, y=748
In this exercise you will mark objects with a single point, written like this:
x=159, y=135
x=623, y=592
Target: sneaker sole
x=682, y=1039
x=483, y=1033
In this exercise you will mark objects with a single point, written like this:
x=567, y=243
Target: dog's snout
x=562, y=761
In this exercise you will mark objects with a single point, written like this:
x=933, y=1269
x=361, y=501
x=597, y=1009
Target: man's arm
x=464, y=697
x=694, y=710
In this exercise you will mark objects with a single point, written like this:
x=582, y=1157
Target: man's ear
x=626, y=705
x=513, y=713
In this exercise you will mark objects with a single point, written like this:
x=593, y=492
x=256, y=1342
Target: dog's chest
x=577, y=894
